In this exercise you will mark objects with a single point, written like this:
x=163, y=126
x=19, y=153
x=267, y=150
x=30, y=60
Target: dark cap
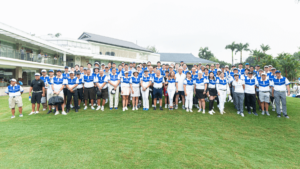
x=66, y=67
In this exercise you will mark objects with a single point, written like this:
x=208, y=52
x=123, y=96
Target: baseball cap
x=13, y=80
x=58, y=70
x=260, y=70
x=66, y=67
x=43, y=70
x=126, y=72
x=250, y=72
x=247, y=64
x=78, y=73
x=217, y=63
x=96, y=68
x=96, y=63
x=106, y=66
x=181, y=61
x=226, y=66
x=273, y=68
x=263, y=74
x=219, y=70
x=102, y=64
x=138, y=66
x=146, y=70
x=235, y=69
x=84, y=68
x=37, y=74
x=266, y=66
x=71, y=72
x=50, y=70
x=236, y=74
x=277, y=71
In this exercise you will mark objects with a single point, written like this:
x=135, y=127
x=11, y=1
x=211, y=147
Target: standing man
x=46, y=80
x=57, y=88
x=89, y=66
x=76, y=69
x=241, y=70
x=281, y=84
x=264, y=85
x=159, y=66
x=37, y=87
x=89, y=92
x=250, y=83
x=180, y=77
x=131, y=68
x=158, y=82
x=102, y=86
x=113, y=80
x=15, y=91
x=79, y=89
x=71, y=84
x=65, y=77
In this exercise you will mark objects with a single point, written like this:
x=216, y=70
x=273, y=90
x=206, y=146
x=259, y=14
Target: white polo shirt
x=280, y=84
x=180, y=79
x=222, y=84
x=114, y=79
x=189, y=84
x=89, y=81
x=238, y=86
x=57, y=83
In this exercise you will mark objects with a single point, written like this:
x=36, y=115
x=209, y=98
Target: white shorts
x=136, y=92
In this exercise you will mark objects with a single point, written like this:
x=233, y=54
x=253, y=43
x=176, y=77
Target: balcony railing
x=14, y=54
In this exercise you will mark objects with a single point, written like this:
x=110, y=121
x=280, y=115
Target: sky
x=172, y=26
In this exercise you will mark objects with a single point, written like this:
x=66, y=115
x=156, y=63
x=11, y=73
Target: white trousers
x=222, y=99
x=171, y=94
x=189, y=100
x=112, y=96
x=145, y=97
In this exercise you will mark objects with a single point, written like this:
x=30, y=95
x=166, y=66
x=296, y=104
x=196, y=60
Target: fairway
x=149, y=139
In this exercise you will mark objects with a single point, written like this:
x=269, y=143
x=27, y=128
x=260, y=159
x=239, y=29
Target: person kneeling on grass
x=188, y=86
x=15, y=91
x=125, y=90
x=102, y=86
x=135, y=89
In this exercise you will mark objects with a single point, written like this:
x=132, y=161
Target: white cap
x=13, y=80
x=263, y=74
x=37, y=74
x=71, y=72
x=43, y=70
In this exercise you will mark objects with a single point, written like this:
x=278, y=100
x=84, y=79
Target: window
x=107, y=53
x=100, y=53
x=112, y=54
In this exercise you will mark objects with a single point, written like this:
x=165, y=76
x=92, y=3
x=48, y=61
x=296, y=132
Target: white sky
x=171, y=25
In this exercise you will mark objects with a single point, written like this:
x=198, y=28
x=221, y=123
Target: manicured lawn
x=153, y=139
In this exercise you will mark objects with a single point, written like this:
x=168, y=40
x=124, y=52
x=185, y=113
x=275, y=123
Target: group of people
x=135, y=83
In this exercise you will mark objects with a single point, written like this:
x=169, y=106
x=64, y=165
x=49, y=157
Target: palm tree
x=265, y=48
x=240, y=48
x=232, y=47
x=205, y=53
x=257, y=54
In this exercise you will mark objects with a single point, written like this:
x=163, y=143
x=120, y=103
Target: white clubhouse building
x=23, y=54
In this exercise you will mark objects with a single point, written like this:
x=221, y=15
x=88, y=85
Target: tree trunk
x=232, y=56
x=241, y=58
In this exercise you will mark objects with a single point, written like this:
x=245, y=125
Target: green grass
x=153, y=139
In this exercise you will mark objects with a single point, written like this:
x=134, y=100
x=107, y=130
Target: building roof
x=186, y=57
x=110, y=41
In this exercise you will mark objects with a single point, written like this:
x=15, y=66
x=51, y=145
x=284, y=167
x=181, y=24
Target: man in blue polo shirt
x=281, y=84
x=15, y=91
x=241, y=70
x=65, y=76
x=158, y=82
x=46, y=80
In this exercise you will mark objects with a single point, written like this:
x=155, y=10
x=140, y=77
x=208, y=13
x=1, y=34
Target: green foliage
x=289, y=65
x=57, y=35
x=265, y=48
x=205, y=53
x=152, y=48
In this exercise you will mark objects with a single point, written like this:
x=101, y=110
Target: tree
x=289, y=65
x=57, y=35
x=232, y=47
x=240, y=48
x=152, y=49
x=205, y=53
x=257, y=54
x=265, y=48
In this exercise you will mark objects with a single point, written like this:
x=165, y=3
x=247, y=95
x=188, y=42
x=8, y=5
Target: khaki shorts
x=15, y=101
